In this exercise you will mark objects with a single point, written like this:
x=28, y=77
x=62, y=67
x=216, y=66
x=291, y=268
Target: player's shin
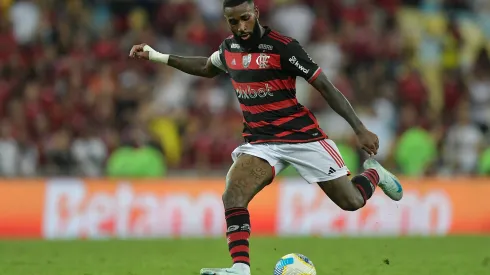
x=237, y=235
x=366, y=182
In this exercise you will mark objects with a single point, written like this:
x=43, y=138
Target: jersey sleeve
x=218, y=57
x=295, y=60
x=216, y=61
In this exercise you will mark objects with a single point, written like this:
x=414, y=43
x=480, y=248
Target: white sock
x=243, y=267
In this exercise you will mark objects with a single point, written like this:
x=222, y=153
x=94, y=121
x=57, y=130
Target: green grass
x=411, y=256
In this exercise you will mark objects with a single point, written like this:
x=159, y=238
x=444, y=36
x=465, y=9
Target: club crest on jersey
x=263, y=60
x=246, y=60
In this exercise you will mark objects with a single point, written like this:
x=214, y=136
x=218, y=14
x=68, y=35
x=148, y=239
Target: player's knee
x=352, y=203
x=233, y=197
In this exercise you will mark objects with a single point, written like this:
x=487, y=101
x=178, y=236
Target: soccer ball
x=294, y=264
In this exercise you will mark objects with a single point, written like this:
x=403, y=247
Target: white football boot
x=236, y=269
x=388, y=182
x=224, y=271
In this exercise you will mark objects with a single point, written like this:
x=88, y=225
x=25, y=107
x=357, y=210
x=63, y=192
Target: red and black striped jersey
x=264, y=79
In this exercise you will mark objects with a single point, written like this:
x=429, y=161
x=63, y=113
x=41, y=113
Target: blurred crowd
x=72, y=103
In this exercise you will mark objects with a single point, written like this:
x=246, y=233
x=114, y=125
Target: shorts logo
x=263, y=61
x=246, y=60
x=295, y=62
x=235, y=46
x=265, y=47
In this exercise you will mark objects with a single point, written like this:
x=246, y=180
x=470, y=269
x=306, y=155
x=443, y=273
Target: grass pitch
x=356, y=256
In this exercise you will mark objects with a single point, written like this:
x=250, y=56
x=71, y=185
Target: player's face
x=244, y=23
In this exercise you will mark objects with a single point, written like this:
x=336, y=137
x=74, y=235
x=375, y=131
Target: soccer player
x=278, y=131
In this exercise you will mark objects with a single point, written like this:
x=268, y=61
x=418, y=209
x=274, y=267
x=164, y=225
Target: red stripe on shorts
x=332, y=153
x=336, y=153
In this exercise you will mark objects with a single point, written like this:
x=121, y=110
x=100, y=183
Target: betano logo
x=74, y=210
x=248, y=93
x=307, y=211
x=295, y=62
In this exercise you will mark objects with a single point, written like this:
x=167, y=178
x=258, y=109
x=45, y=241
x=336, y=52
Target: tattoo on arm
x=199, y=66
x=338, y=102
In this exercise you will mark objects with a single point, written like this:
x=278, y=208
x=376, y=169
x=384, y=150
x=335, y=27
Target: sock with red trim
x=366, y=182
x=237, y=234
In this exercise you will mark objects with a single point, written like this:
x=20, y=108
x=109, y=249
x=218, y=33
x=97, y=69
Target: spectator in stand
x=415, y=150
x=9, y=149
x=463, y=144
x=479, y=90
x=63, y=66
x=136, y=158
x=89, y=152
x=484, y=162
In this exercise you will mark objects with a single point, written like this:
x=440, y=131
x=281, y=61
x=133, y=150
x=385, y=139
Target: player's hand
x=369, y=142
x=138, y=52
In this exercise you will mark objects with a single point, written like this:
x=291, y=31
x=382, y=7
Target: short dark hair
x=234, y=3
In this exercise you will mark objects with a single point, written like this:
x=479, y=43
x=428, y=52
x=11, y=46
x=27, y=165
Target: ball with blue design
x=294, y=264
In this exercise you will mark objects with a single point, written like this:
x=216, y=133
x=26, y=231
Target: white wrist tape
x=156, y=56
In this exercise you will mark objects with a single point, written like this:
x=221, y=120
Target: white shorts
x=315, y=161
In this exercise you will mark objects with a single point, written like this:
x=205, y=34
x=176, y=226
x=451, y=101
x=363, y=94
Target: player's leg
x=348, y=194
x=320, y=162
x=247, y=176
x=353, y=194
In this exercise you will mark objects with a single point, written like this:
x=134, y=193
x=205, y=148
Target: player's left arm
x=338, y=102
x=369, y=141
x=297, y=61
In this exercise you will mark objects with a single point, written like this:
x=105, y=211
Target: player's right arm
x=194, y=65
x=299, y=63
